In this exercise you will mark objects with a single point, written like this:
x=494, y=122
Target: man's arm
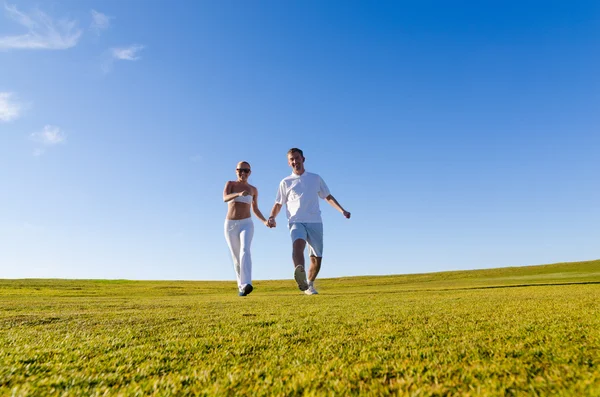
x=334, y=203
x=257, y=212
x=274, y=211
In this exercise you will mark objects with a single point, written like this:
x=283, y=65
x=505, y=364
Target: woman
x=239, y=228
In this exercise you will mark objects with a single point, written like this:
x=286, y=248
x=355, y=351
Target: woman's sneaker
x=300, y=277
x=246, y=290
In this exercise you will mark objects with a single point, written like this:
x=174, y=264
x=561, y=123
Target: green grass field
x=513, y=331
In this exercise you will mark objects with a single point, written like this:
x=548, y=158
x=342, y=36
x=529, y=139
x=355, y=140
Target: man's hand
x=346, y=214
x=271, y=222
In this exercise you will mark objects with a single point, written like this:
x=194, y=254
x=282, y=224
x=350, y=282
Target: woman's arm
x=228, y=196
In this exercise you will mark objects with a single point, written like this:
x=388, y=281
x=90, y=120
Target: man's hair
x=295, y=150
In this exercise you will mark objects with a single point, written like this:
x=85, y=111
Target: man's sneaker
x=311, y=290
x=300, y=277
x=246, y=290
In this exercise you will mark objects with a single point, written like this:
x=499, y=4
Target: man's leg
x=298, y=234
x=315, y=248
x=298, y=252
x=315, y=266
x=298, y=258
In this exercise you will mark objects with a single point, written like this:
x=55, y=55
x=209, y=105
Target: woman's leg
x=246, y=234
x=232, y=235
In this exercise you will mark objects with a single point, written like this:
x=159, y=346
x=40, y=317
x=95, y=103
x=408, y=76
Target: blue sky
x=460, y=135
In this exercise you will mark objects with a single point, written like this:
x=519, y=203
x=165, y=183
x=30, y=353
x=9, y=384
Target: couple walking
x=300, y=192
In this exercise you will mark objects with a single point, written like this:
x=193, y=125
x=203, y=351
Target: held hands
x=271, y=222
x=346, y=214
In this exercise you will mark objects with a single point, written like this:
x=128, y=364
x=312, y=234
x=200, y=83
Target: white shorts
x=312, y=233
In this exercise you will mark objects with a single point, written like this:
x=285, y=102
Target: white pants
x=238, y=234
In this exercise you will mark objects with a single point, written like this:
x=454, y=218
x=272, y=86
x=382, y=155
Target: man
x=300, y=192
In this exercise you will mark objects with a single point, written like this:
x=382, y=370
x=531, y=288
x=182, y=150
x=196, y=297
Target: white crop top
x=243, y=199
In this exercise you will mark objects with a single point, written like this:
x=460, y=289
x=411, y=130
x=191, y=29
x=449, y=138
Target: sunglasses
x=246, y=170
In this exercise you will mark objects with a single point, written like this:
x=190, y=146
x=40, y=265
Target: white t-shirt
x=300, y=194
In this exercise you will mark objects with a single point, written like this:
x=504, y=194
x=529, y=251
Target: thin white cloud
x=50, y=135
x=9, y=110
x=100, y=22
x=37, y=152
x=42, y=31
x=123, y=54
x=128, y=53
